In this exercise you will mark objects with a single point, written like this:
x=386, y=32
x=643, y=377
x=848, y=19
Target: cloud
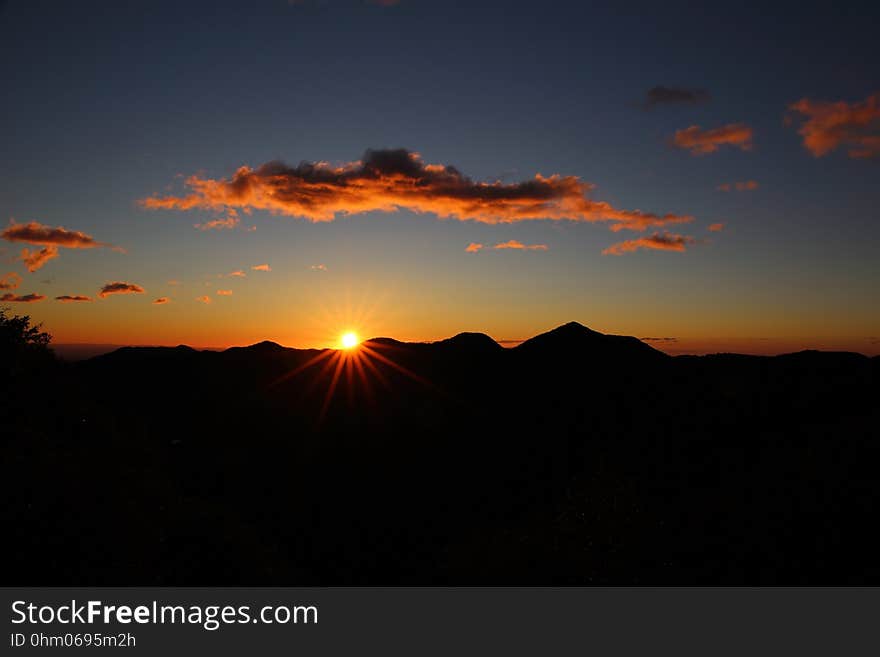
x=474, y=247
x=161, y=300
x=27, y=298
x=204, y=299
x=33, y=260
x=514, y=244
x=829, y=125
x=318, y=267
x=173, y=282
x=238, y=273
x=120, y=288
x=262, y=267
x=660, y=241
x=661, y=95
x=66, y=298
x=11, y=281
x=388, y=180
x=50, y=238
x=700, y=142
x=228, y=222
x=224, y=293
x=659, y=339
x=742, y=186
x=716, y=228
x=37, y=233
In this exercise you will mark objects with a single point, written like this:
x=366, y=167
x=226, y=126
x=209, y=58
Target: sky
x=294, y=170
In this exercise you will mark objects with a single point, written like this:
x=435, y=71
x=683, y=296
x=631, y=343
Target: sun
x=349, y=340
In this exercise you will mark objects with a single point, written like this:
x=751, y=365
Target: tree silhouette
x=21, y=344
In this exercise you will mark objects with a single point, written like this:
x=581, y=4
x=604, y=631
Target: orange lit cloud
x=700, y=142
x=224, y=293
x=204, y=299
x=474, y=247
x=261, y=268
x=67, y=298
x=27, y=298
x=37, y=233
x=388, y=180
x=832, y=124
x=716, y=228
x=161, y=300
x=33, y=260
x=237, y=273
x=514, y=244
x=228, y=222
x=50, y=238
x=120, y=288
x=318, y=267
x=742, y=186
x=658, y=241
x=11, y=281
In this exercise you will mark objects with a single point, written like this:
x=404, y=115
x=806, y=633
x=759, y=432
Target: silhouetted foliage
x=20, y=342
x=576, y=457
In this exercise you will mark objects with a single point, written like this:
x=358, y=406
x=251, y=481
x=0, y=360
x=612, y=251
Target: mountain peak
x=470, y=342
x=266, y=346
x=575, y=339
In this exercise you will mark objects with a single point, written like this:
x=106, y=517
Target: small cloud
x=161, y=300
x=661, y=95
x=700, y=142
x=829, y=125
x=41, y=235
x=204, y=299
x=50, y=238
x=659, y=339
x=238, y=273
x=261, y=268
x=67, y=298
x=27, y=298
x=475, y=247
x=224, y=293
x=33, y=260
x=318, y=267
x=230, y=221
x=514, y=244
x=741, y=186
x=658, y=241
x=120, y=288
x=716, y=228
x=10, y=281
x=173, y=282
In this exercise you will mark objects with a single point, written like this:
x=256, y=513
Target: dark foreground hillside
x=574, y=458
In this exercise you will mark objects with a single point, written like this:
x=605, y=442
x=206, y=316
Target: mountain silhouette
x=575, y=457
x=474, y=343
x=574, y=340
